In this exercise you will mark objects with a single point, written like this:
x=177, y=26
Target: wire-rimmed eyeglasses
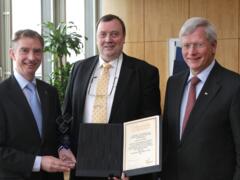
x=92, y=90
x=93, y=80
x=187, y=46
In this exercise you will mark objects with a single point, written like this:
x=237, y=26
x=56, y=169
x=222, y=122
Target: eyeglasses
x=92, y=90
x=187, y=46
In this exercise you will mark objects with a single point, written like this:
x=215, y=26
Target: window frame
x=54, y=11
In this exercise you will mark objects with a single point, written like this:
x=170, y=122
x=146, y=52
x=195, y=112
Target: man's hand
x=67, y=156
x=123, y=177
x=52, y=164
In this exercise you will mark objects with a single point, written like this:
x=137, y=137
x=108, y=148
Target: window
x=24, y=17
x=31, y=14
x=75, y=13
x=27, y=18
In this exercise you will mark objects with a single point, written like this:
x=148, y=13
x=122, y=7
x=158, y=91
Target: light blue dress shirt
x=23, y=82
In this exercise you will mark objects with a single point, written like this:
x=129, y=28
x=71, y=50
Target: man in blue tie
x=28, y=110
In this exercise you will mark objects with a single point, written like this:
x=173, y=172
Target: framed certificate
x=109, y=149
x=141, y=146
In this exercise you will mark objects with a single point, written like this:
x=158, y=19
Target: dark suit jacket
x=210, y=146
x=137, y=93
x=20, y=141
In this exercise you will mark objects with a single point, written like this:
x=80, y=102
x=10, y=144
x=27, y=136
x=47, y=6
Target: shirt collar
x=113, y=62
x=21, y=80
x=203, y=74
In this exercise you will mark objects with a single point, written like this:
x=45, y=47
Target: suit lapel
x=180, y=84
x=17, y=97
x=207, y=94
x=83, y=81
x=122, y=85
x=45, y=103
x=80, y=76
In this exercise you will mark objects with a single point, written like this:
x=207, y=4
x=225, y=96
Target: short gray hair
x=193, y=23
x=27, y=33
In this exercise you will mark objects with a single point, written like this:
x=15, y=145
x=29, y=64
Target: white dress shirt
x=114, y=72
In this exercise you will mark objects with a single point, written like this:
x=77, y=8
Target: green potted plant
x=60, y=40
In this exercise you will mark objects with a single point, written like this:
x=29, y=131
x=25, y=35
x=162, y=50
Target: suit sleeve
x=67, y=104
x=150, y=104
x=13, y=160
x=67, y=110
x=151, y=92
x=235, y=123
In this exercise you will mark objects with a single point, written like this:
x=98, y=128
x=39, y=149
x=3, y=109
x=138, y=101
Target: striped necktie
x=191, y=101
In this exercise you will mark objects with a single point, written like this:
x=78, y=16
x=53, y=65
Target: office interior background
x=150, y=25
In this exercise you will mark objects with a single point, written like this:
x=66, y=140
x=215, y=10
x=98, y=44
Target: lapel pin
x=206, y=93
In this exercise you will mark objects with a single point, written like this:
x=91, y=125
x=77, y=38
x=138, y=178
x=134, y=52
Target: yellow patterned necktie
x=100, y=105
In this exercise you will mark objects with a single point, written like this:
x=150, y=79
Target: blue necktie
x=34, y=104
